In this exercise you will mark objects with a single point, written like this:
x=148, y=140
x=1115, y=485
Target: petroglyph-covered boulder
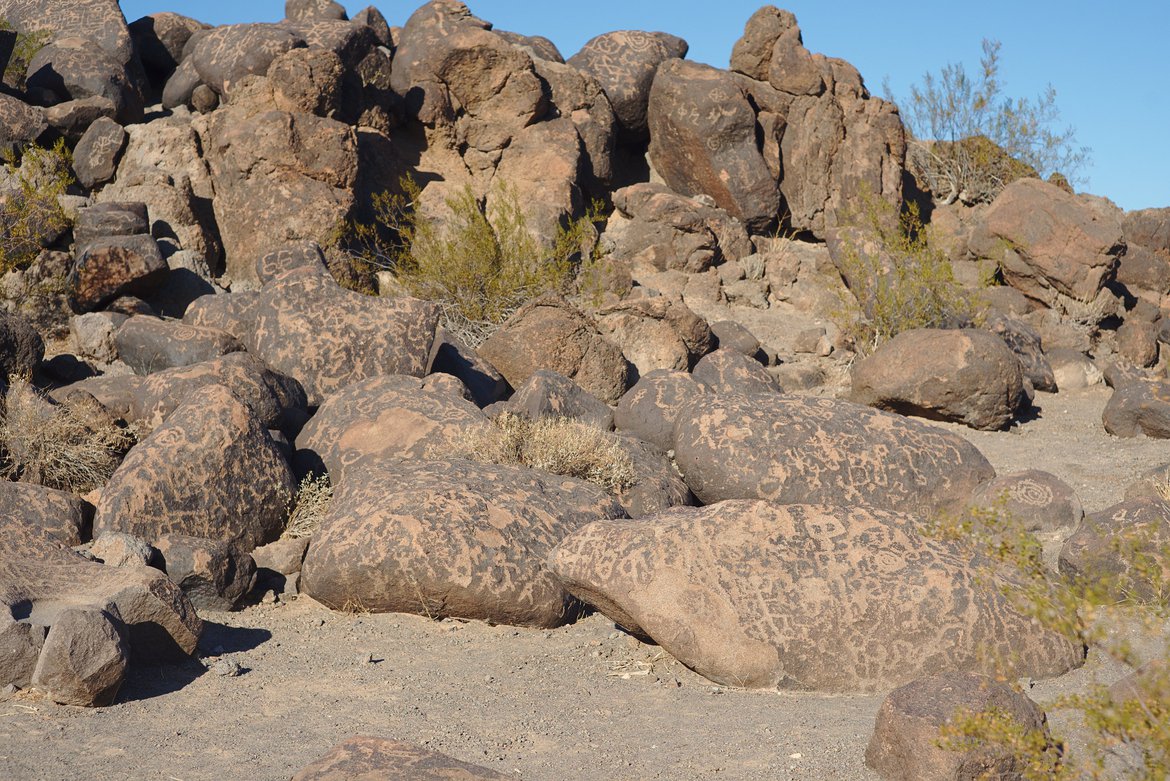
x=95, y=158
x=648, y=409
x=224, y=55
x=115, y=266
x=101, y=21
x=326, y=337
x=657, y=485
x=728, y=370
x=148, y=344
x=71, y=68
x=1041, y=501
x=1122, y=549
x=968, y=376
x=450, y=538
x=388, y=416
x=294, y=255
x=656, y=333
x=1139, y=408
x=41, y=579
x=210, y=470
x=20, y=123
x=551, y=333
x=703, y=141
x=905, y=742
x=803, y=596
x=214, y=574
x=278, y=401
x=624, y=63
x=792, y=450
x=366, y=757
x=60, y=514
x=548, y=394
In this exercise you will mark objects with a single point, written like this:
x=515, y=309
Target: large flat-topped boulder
x=813, y=597
x=326, y=337
x=789, y=449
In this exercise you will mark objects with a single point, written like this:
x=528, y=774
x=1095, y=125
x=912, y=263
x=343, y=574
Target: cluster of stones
x=214, y=163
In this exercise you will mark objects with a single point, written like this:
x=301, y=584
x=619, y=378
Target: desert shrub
x=898, y=280
x=72, y=446
x=26, y=47
x=1127, y=731
x=557, y=445
x=308, y=506
x=31, y=215
x=970, y=140
x=480, y=267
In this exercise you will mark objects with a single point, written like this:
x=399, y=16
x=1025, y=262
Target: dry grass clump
x=74, y=446
x=557, y=445
x=308, y=506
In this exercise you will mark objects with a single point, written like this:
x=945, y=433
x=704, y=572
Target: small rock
x=228, y=668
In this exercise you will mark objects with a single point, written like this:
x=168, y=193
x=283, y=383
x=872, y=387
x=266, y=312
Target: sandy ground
x=582, y=702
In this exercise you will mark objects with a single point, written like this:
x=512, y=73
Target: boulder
x=390, y=416
x=656, y=333
x=307, y=81
x=109, y=218
x=295, y=255
x=1121, y=550
x=233, y=313
x=20, y=123
x=1040, y=501
x=657, y=486
x=1144, y=273
x=84, y=658
x=1148, y=227
x=21, y=347
x=278, y=401
x=326, y=337
x=481, y=379
x=703, y=141
x=550, y=333
x=739, y=592
x=823, y=137
x=450, y=538
x=214, y=574
x=60, y=514
x=210, y=470
x=115, y=549
x=277, y=177
x=1137, y=343
x=366, y=757
x=40, y=577
x=789, y=450
x=100, y=21
x=729, y=371
x=1047, y=241
x=580, y=98
x=1025, y=342
x=72, y=68
x=548, y=394
x=905, y=742
x=148, y=344
x=624, y=63
x=160, y=39
x=1072, y=369
x=115, y=266
x=662, y=230
x=95, y=158
x=648, y=410
x=312, y=10
x=223, y=56
x=969, y=376
x=1139, y=408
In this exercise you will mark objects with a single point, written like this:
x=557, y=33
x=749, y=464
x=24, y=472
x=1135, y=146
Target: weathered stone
x=541, y=168
x=1025, y=342
x=1121, y=550
x=307, y=81
x=310, y=10
x=210, y=470
x=160, y=39
x=550, y=333
x=729, y=371
x=73, y=117
x=214, y=574
x=548, y=394
x=111, y=218
x=656, y=333
x=657, y=485
x=148, y=345
x=803, y=450
x=390, y=416
x=100, y=21
x=115, y=549
x=296, y=255
x=326, y=337
x=1039, y=500
x=233, y=313
x=59, y=513
x=624, y=63
x=1139, y=408
x=1148, y=227
x=450, y=538
x=739, y=592
x=1145, y=273
x=967, y=375
x=649, y=408
x=481, y=379
x=283, y=556
x=366, y=757
x=223, y=56
x=21, y=347
x=1137, y=342
x=20, y=123
x=95, y=158
x=1072, y=369
x=703, y=141
x=70, y=68
x=277, y=177
x=580, y=98
x=905, y=742
x=1046, y=240
x=278, y=401
x=115, y=266
x=84, y=659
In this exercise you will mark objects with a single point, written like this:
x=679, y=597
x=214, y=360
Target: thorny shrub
x=308, y=506
x=30, y=207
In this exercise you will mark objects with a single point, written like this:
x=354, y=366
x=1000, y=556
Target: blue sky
x=1108, y=62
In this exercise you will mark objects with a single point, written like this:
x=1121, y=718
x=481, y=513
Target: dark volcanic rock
x=366, y=757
